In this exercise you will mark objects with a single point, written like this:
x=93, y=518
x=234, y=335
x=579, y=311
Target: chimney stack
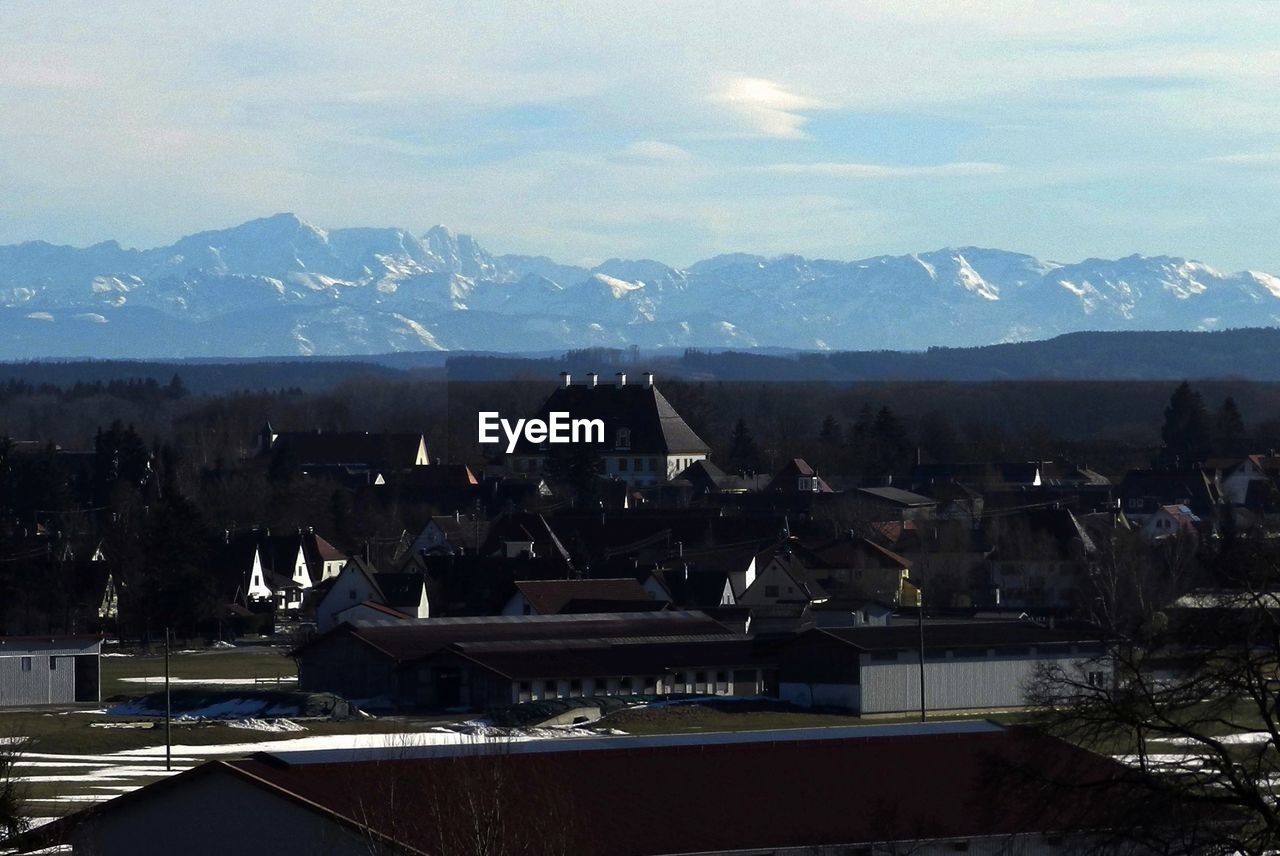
x=622, y=379
x=564, y=379
x=648, y=379
x=592, y=378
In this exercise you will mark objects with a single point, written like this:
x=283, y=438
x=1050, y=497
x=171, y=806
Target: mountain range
x=279, y=286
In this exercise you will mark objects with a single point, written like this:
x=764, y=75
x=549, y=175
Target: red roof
x=716, y=797
x=550, y=597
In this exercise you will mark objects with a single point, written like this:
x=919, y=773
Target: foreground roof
x=949, y=781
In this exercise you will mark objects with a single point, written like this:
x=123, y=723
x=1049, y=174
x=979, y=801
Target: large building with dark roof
x=939, y=788
x=496, y=661
x=645, y=440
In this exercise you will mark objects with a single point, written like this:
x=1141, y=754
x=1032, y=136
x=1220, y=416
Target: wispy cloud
x=879, y=170
x=766, y=107
x=1247, y=159
x=655, y=151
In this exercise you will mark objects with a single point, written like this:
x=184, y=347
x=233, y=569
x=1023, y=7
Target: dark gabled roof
x=1193, y=487
x=549, y=597
x=905, y=635
x=586, y=658
x=405, y=641
x=694, y=590
x=896, y=496
x=393, y=451
x=852, y=552
x=786, y=480
x=1039, y=534
x=382, y=608
x=655, y=426
x=706, y=477
x=402, y=591
x=436, y=475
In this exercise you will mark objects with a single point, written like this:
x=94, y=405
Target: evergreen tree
x=744, y=455
x=891, y=443
x=1186, y=431
x=829, y=433
x=1230, y=424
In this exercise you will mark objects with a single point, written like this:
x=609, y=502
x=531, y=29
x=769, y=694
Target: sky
x=674, y=131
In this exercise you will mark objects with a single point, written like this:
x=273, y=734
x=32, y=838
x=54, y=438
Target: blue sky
x=675, y=131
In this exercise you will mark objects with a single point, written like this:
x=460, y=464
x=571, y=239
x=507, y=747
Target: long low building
x=968, y=665
x=40, y=670
x=495, y=661
x=925, y=789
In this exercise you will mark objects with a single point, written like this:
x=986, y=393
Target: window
x=351, y=594
x=638, y=464
x=623, y=440
x=53, y=664
x=1097, y=679
x=770, y=591
x=26, y=664
x=526, y=688
x=653, y=465
x=622, y=465
x=575, y=687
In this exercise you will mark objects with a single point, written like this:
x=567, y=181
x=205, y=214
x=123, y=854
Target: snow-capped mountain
x=280, y=286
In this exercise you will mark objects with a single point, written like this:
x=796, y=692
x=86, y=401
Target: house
x=447, y=535
x=39, y=670
x=494, y=661
x=968, y=664
x=262, y=570
x=358, y=593
x=645, y=440
x=1144, y=492
x=797, y=477
x=554, y=597
x=894, y=503
x=927, y=789
x=357, y=453
x=704, y=478
x=847, y=567
x=1239, y=476
x=1039, y=559
x=1169, y=521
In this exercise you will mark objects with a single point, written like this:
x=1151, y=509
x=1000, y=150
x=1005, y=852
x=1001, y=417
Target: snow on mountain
x=279, y=285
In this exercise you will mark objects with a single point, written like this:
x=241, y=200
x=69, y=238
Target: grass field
x=233, y=664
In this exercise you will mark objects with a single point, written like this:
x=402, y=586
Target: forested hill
x=1251, y=354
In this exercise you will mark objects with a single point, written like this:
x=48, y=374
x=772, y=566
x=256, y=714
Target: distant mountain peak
x=278, y=285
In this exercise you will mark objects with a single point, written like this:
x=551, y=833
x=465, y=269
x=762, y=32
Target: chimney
x=622, y=379
x=592, y=379
x=648, y=379
x=564, y=378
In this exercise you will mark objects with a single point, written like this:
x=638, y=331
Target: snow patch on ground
x=228, y=682
x=266, y=725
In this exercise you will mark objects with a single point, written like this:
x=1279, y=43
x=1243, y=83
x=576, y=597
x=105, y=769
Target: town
x=930, y=603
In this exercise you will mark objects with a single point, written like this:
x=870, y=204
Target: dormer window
x=624, y=438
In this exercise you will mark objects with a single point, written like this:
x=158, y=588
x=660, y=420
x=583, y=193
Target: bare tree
x=1186, y=691
x=13, y=819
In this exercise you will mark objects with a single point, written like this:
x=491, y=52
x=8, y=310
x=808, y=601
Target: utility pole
x=168, y=710
x=920, y=625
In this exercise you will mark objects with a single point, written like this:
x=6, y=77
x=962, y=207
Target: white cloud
x=877, y=170
x=655, y=150
x=766, y=107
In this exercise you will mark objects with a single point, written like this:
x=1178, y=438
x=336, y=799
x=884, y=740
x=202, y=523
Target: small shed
x=37, y=670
